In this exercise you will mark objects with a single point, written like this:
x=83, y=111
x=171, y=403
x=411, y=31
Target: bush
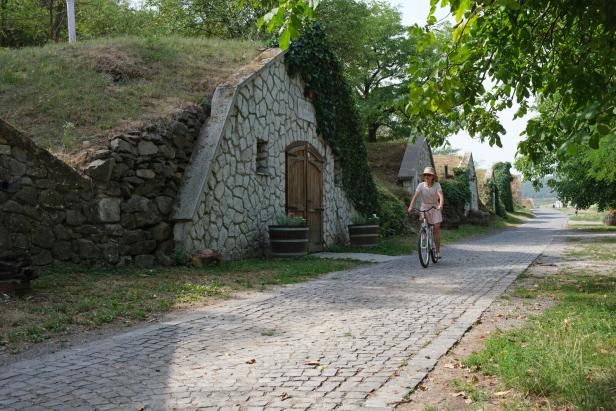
x=290, y=220
x=392, y=213
x=503, y=178
x=457, y=193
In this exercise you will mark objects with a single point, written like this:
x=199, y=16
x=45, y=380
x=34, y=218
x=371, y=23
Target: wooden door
x=304, y=190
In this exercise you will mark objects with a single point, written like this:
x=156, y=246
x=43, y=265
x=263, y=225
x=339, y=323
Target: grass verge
x=407, y=243
x=67, y=300
x=567, y=354
x=64, y=94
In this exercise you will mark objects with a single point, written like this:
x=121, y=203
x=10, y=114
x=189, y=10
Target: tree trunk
x=372, y=128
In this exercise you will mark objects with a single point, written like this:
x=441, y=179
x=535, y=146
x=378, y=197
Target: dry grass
x=63, y=95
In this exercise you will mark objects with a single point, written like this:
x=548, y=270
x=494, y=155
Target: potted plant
x=364, y=231
x=289, y=237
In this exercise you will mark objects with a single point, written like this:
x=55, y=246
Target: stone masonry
x=231, y=196
x=115, y=211
x=145, y=192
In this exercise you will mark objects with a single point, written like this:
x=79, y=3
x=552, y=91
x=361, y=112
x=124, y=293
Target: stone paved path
x=352, y=339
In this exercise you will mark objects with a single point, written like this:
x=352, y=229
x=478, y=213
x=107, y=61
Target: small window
x=337, y=173
x=262, y=157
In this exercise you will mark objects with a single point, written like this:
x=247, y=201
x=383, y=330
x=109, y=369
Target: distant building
x=417, y=156
x=445, y=166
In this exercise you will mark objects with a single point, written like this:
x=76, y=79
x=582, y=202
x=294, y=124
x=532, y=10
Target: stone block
x=164, y=204
x=16, y=168
x=63, y=233
x=111, y=252
x=147, y=148
x=51, y=199
x=74, y=218
x=62, y=250
x=43, y=237
x=146, y=174
x=141, y=247
x=145, y=261
x=120, y=145
x=41, y=256
x=161, y=232
x=88, y=250
x=27, y=195
x=109, y=210
x=100, y=170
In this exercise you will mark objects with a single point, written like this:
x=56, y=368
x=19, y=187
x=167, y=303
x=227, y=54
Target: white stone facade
x=228, y=200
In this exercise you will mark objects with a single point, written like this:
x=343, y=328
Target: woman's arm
x=412, y=205
x=441, y=200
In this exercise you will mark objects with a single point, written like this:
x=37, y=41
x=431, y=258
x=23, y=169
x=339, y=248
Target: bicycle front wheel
x=423, y=248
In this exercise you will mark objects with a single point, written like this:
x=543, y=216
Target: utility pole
x=70, y=10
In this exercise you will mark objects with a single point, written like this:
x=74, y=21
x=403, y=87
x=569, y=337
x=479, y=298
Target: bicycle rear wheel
x=423, y=247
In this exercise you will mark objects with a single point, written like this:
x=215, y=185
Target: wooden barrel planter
x=366, y=235
x=610, y=218
x=288, y=241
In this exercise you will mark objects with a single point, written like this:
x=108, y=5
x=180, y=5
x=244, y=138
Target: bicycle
x=426, y=248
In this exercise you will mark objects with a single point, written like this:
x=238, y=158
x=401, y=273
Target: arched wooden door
x=304, y=190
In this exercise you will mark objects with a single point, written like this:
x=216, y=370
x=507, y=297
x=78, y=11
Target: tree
x=514, y=50
x=446, y=150
x=587, y=179
x=375, y=59
x=36, y=22
x=210, y=18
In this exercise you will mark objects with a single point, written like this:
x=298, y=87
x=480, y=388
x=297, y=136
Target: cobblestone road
x=352, y=339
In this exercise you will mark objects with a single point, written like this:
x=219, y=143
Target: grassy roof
x=63, y=94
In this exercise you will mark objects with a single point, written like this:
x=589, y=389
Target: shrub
x=503, y=178
x=457, y=192
x=290, y=220
x=391, y=213
x=362, y=219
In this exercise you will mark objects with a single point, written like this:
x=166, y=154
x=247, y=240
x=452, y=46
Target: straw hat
x=429, y=170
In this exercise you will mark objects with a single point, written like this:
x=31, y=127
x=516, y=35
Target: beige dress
x=429, y=198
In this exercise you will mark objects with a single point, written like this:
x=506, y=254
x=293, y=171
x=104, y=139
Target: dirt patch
x=453, y=386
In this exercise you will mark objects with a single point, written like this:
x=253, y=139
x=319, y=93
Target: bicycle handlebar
x=423, y=211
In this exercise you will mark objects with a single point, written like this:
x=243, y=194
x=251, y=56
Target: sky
x=416, y=12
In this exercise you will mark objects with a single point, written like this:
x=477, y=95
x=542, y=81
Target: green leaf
x=285, y=39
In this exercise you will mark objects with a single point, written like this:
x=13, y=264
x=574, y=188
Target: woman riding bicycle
x=430, y=194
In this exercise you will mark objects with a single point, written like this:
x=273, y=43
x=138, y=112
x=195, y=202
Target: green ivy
x=502, y=179
x=457, y=191
x=312, y=59
x=393, y=217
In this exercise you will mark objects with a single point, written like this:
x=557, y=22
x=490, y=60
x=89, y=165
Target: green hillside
x=63, y=94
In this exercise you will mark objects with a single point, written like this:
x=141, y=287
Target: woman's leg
x=437, y=237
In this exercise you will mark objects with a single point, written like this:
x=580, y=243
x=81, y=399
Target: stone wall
x=115, y=211
x=229, y=200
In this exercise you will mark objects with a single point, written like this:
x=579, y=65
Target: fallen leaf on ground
x=459, y=394
x=316, y=363
x=284, y=396
x=251, y=361
x=502, y=393
x=422, y=387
